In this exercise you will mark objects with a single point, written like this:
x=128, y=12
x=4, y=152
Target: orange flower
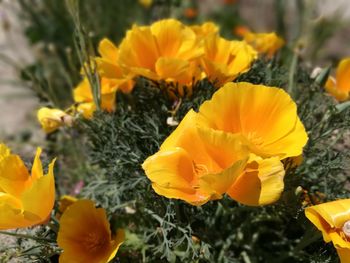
x=264, y=43
x=190, y=12
x=340, y=87
x=265, y=116
x=206, y=156
x=83, y=95
x=52, y=119
x=241, y=30
x=267, y=119
x=108, y=66
x=22, y=195
x=167, y=50
x=85, y=235
x=224, y=60
x=333, y=220
x=205, y=29
x=185, y=169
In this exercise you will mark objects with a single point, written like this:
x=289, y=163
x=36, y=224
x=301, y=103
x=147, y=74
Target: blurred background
x=38, y=61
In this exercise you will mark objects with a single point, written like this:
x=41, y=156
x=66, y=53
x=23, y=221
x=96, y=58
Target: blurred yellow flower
x=205, y=29
x=146, y=3
x=109, y=68
x=333, y=220
x=85, y=235
x=224, y=60
x=82, y=94
x=22, y=195
x=52, y=119
x=184, y=168
x=340, y=86
x=167, y=50
x=265, y=43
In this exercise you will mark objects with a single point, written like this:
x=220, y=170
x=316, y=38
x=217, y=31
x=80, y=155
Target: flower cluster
x=84, y=233
x=234, y=145
x=238, y=143
x=265, y=43
x=166, y=52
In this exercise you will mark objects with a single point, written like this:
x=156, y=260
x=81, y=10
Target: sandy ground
x=17, y=102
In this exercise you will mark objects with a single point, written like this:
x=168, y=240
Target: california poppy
x=22, y=195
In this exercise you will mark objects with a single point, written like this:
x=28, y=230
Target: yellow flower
x=83, y=95
x=340, y=87
x=22, y=195
x=205, y=29
x=65, y=202
x=52, y=119
x=224, y=60
x=184, y=168
x=167, y=50
x=264, y=43
x=265, y=116
x=85, y=235
x=206, y=156
x=108, y=66
x=333, y=220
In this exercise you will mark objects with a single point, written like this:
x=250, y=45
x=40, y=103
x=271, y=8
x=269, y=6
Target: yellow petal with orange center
x=186, y=168
x=85, y=235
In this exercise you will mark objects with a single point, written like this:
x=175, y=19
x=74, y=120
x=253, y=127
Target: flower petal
x=343, y=75
x=260, y=184
x=41, y=189
x=329, y=218
x=108, y=50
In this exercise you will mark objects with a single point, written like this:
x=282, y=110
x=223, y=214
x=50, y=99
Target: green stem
x=39, y=239
x=293, y=66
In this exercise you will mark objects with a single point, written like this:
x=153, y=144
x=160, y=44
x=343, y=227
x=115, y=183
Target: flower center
x=200, y=169
x=254, y=138
x=94, y=242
